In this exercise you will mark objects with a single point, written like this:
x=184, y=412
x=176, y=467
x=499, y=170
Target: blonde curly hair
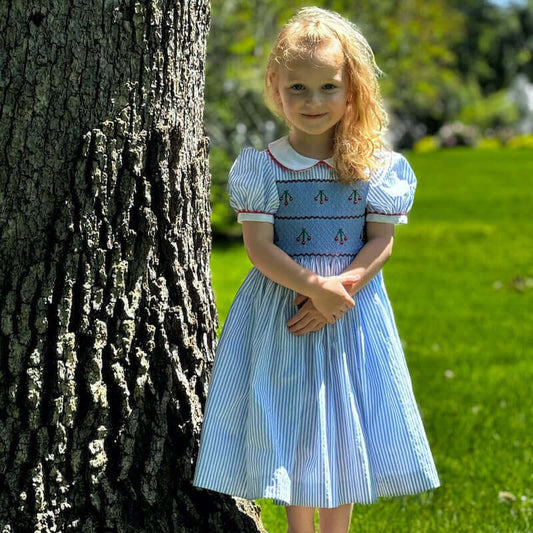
x=359, y=134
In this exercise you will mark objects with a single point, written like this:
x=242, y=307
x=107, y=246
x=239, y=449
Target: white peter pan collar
x=284, y=154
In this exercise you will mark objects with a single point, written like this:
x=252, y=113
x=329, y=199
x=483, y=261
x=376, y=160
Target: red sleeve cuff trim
x=261, y=212
x=386, y=214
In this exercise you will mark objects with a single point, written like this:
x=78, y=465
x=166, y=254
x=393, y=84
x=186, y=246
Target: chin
x=318, y=131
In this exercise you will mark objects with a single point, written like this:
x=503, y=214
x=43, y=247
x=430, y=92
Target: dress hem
x=306, y=503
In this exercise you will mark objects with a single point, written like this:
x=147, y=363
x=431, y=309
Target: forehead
x=326, y=60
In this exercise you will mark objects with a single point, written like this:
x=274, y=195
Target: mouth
x=319, y=115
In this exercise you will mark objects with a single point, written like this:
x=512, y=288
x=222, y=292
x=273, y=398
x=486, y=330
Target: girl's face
x=312, y=93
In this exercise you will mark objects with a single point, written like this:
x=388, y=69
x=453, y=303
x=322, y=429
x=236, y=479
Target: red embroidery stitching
x=321, y=196
x=260, y=212
x=306, y=180
x=293, y=169
x=286, y=197
x=385, y=214
x=355, y=196
x=341, y=237
x=327, y=255
x=311, y=217
x=303, y=237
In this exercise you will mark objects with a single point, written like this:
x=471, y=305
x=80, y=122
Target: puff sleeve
x=252, y=187
x=391, y=192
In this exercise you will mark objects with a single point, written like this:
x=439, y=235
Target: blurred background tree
x=449, y=65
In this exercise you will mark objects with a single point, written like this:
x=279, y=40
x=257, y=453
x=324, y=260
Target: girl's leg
x=336, y=519
x=300, y=519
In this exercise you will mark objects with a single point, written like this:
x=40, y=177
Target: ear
x=273, y=80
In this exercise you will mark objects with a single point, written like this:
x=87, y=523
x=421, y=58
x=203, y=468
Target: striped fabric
x=330, y=417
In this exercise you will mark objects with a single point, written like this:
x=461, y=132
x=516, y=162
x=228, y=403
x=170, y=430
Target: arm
x=368, y=262
x=373, y=255
x=328, y=293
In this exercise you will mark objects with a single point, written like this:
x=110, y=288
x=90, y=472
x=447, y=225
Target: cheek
x=339, y=97
x=290, y=100
x=339, y=101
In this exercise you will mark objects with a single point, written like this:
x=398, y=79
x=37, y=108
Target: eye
x=297, y=87
x=329, y=86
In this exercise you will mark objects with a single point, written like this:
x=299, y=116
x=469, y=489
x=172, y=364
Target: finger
x=350, y=283
x=300, y=299
x=302, y=324
x=293, y=320
x=351, y=278
x=340, y=314
x=296, y=330
x=307, y=329
x=319, y=326
x=347, y=283
x=300, y=315
x=297, y=316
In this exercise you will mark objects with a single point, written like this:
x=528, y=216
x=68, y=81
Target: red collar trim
x=318, y=162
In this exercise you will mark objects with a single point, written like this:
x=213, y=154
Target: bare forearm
x=274, y=263
x=328, y=293
x=369, y=261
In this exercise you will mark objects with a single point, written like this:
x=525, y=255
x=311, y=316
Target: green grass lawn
x=460, y=284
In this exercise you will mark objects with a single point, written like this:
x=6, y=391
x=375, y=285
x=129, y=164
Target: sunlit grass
x=458, y=282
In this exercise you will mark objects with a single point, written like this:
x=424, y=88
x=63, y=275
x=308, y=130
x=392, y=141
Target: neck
x=313, y=146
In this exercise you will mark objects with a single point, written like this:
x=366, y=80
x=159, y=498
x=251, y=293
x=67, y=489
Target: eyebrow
x=296, y=81
x=329, y=79
x=330, y=82
x=292, y=76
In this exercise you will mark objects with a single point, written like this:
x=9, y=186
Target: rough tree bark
x=107, y=318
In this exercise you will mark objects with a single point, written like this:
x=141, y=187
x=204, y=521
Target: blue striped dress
x=327, y=418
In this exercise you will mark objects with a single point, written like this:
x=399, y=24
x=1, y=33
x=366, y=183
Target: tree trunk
x=107, y=320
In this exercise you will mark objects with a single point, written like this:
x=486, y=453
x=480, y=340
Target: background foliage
x=451, y=67
x=445, y=61
x=460, y=280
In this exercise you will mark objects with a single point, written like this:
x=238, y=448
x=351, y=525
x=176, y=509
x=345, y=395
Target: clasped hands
x=329, y=301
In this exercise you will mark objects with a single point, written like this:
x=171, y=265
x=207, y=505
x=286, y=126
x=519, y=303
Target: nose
x=314, y=97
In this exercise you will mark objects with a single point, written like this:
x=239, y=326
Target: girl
x=310, y=401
